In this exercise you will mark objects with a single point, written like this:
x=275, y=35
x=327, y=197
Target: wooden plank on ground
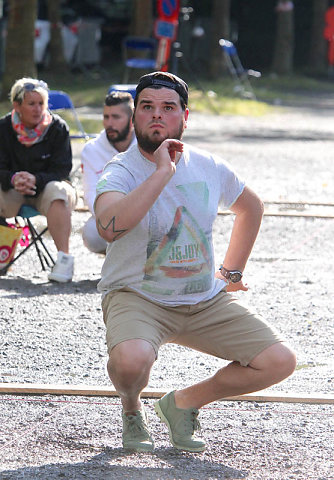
x=269, y=213
x=104, y=391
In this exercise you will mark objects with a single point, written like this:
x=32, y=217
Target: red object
x=163, y=54
x=166, y=32
x=165, y=29
x=24, y=240
x=329, y=34
x=74, y=27
x=168, y=9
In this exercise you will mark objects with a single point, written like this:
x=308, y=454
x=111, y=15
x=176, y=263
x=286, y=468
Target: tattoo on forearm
x=112, y=222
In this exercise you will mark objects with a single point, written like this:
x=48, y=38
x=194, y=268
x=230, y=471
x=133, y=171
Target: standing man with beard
x=155, y=206
x=117, y=136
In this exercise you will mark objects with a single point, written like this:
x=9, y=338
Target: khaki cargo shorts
x=222, y=326
x=11, y=201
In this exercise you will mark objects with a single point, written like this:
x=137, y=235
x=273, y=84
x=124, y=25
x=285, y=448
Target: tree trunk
x=19, y=52
x=220, y=29
x=57, y=60
x=142, y=19
x=284, y=42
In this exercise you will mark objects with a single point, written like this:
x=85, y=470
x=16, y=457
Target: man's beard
x=150, y=145
x=122, y=135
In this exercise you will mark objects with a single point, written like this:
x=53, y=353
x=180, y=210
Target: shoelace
x=135, y=426
x=191, y=423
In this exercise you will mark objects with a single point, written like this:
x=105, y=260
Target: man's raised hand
x=166, y=153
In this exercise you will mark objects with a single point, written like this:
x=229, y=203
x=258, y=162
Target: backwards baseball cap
x=163, y=79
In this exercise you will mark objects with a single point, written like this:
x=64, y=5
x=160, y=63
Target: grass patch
x=291, y=88
x=218, y=97
x=90, y=125
x=222, y=96
x=220, y=103
x=303, y=366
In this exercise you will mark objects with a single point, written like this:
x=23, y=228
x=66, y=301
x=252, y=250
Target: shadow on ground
x=19, y=287
x=107, y=465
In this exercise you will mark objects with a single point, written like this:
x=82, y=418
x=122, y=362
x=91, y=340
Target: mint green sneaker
x=136, y=435
x=181, y=423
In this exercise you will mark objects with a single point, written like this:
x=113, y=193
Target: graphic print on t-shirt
x=180, y=261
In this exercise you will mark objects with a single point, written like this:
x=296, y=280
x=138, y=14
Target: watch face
x=235, y=277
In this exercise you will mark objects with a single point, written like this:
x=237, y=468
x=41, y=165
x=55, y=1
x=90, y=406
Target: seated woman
x=35, y=163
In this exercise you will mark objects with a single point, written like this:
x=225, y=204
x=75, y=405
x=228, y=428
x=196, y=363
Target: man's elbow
x=108, y=230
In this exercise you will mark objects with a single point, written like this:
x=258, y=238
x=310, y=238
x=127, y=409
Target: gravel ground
x=53, y=333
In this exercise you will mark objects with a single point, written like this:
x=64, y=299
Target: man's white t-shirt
x=168, y=257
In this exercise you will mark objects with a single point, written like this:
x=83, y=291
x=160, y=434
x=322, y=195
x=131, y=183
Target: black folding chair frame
x=36, y=239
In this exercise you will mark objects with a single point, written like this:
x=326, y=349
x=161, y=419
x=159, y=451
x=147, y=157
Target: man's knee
x=285, y=362
x=131, y=358
x=278, y=359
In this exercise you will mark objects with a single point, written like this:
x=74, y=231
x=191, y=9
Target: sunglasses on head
x=30, y=86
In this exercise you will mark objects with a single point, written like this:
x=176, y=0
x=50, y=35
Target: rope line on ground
x=207, y=407
x=37, y=424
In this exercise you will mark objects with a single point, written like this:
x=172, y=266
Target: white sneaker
x=63, y=268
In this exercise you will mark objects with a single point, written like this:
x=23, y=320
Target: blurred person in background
x=35, y=164
x=117, y=136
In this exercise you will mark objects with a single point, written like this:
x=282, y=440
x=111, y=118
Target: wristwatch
x=233, y=276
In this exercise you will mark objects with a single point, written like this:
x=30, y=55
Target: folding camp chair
x=239, y=74
x=32, y=237
x=138, y=53
x=59, y=100
x=120, y=87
